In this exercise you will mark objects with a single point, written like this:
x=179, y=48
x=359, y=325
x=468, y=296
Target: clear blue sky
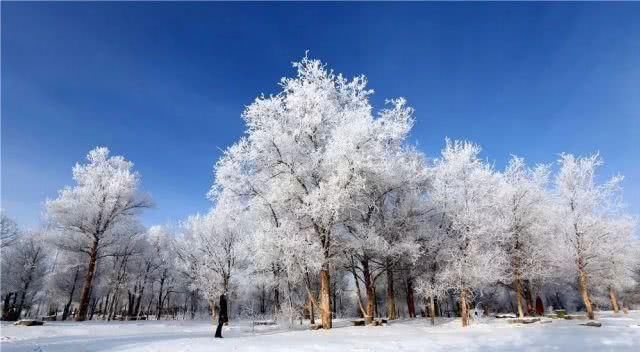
x=164, y=84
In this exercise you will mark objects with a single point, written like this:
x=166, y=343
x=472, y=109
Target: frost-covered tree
x=8, y=230
x=522, y=204
x=617, y=258
x=295, y=160
x=463, y=191
x=212, y=249
x=97, y=212
x=581, y=204
x=66, y=278
x=382, y=214
x=24, y=266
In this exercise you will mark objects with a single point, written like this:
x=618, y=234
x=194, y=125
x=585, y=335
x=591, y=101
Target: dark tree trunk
x=6, y=306
x=65, y=312
x=276, y=299
x=529, y=297
x=222, y=316
x=411, y=307
x=93, y=307
x=160, y=300
x=392, y=314
x=432, y=310
x=88, y=281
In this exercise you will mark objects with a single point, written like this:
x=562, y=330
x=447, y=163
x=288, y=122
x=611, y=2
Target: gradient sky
x=164, y=84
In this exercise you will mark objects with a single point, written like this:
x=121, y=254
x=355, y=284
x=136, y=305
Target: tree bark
x=88, y=281
x=582, y=285
x=432, y=310
x=517, y=283
x=370, y=291
x=160, y=300
x=528, y=296
x=614, y=300
x=325, y=296
x=391, y=295
x=276, y=299
x=464, y=308
x=223, y=318
x=411, y=307
x=312, y=313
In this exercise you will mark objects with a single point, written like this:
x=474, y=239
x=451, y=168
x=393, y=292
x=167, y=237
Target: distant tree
x=97, y=212
x=212, y=245
x=8, y=230
x=522, y=204
x=24, y=267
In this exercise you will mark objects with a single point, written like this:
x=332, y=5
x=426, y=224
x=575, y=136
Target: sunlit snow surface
x=618, y=333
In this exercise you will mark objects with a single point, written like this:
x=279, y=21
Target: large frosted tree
x=296, y=160
x=93, y=215
x=581, y=205
x=463, y=192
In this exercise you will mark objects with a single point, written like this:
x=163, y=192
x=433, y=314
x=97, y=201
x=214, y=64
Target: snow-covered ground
x=618, y=333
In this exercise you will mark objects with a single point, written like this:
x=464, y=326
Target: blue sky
x=164, y=84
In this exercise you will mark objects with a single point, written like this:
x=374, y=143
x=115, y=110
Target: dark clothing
x=222, y=315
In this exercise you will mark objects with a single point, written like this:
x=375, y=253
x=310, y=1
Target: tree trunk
x=464, y=308
x=136, y=309
x=391, y=295
x=325, y=296
x=93, y=307
x=106, y=306
x=528, y=296
x=432, y=310
x=5, y=306
x=371, y=295
x=65, y=312
x=517, y=283
x=411, y=307
x=312, y=313
x=88, y=281
x=222, y=316
x=160, y=300
x=276, y=299
x=614, y=300
x=582, y=285
x=21, y=304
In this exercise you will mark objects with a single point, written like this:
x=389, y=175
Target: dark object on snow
x=222, y=315
x=576, y=317
x=505, y=315
x=49, y=318
x=358, y=322
x=316, y=326
x=539, y=306
x=523, y=321
x=379, y=322
x=29, y=322
x=593, y=323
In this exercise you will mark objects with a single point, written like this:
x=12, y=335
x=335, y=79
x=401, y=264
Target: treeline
x=326, y=209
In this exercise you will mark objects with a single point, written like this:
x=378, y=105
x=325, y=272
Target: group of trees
x=322, y=205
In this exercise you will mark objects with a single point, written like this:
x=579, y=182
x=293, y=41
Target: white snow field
x=619, y=332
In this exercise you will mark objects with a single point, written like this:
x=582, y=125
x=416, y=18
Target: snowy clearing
x=618, y=333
